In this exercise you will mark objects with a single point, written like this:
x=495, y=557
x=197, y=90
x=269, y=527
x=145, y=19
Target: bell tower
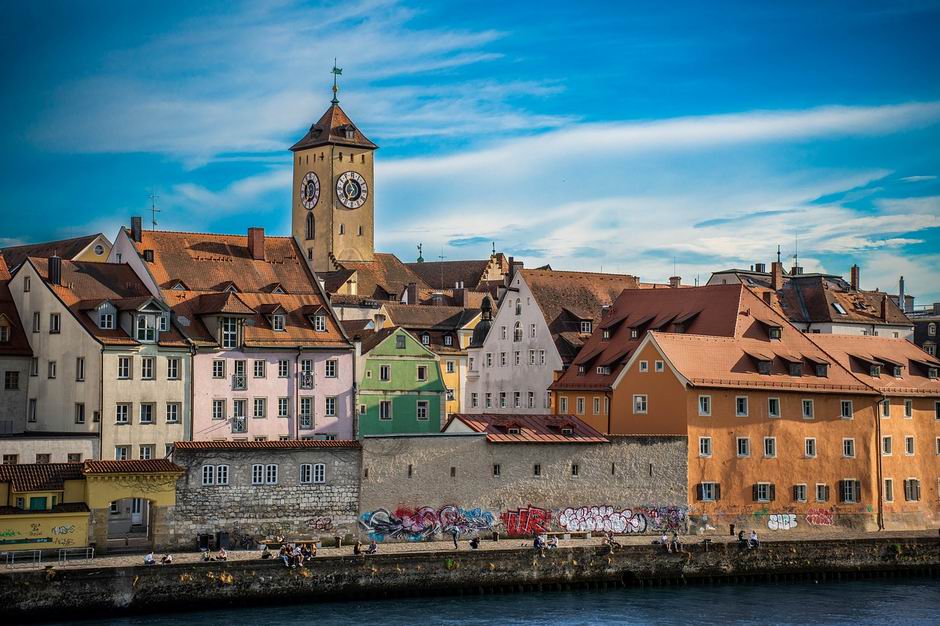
x=332, y=206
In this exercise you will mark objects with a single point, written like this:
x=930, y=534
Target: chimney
x=148, y=256
x=776, y=275
x=460, y=296
x=854, y=277
x=605, y=310
x=55, y=270
x=412, y=293
x=136, y=229
x=796, y=270
x=884, y=307
x=256, y=243
x=936, y=308
x=901, y=303
x=512, y=271
x=675, y=281
x=768, y=297
x=760, y=267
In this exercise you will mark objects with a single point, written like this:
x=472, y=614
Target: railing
x=306, y=421
x=306, y=380
x=22, y=557
x=239, y=425
x=75, y=554
x=239, y=382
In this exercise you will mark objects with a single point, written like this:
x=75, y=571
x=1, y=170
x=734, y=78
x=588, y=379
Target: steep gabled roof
x=18, y=344
x=853, y=351
x=447, y=274
x=382, y=278
x=531, y=428
x=65, y=248
x=430, y=317
x=332, y=128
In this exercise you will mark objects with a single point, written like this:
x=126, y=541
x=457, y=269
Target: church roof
x=334, y=127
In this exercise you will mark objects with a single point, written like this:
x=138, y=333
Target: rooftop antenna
x=336, y=71
x=442, y=257
x=673, y=266
x=494, y=248
x=778, y=253
x=153, y=208
x=796, y=250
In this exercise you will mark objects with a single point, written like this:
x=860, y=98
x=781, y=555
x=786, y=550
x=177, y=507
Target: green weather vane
x=337, y=71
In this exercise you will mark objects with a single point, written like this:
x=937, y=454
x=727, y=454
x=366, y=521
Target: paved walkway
x=125, y=560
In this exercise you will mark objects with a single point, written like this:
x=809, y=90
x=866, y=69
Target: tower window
x=310, y=226
x=342, y=229
x=360, y=231
x=321, y=156
x=340, y=156
x=351, y=157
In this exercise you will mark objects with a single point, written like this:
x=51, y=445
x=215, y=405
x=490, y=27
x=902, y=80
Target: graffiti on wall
x=530, y=520
x=602, y=519
x=320, y=523
x=665, y=518
x=819, y=517
x=781, y=521
x=425, y=523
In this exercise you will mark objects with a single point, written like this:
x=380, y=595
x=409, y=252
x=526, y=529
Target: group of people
x=149, y=559
x=372, y=549
x=751, y=542
x=221, y=555
x=540, y=543
x=673, y=544
x=292, y=554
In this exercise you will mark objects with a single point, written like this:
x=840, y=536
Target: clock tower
x=333, y=213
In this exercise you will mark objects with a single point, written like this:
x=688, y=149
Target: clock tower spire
x=332, y=208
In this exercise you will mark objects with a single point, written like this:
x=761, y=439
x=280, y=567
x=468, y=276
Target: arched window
x=932, y=329
x=518, y=306
x=309, y=229
x=517, y=332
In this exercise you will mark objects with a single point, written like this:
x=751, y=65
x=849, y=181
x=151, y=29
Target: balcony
x=239, y=425
x=306, y=380
x=239, y=382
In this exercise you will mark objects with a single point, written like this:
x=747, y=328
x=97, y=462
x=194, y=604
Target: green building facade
x=400, y=385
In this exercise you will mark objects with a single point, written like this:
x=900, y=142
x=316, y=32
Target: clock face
x=352, y=190
x=310, y=190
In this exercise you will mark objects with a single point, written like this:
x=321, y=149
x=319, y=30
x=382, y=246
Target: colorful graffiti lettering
x=664, y=518
x=781, y=521
x=527, y=521
x=602, y=518
x=425, y=523
x=819, y=517
x=320, y=522
x=63, y=530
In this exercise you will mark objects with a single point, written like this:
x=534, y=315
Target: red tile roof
x=150, y=466
x=384, y=277
x=263, y=445
x=39, y=476
x=446, y=274
x=532, y=428
x=331, y=129
x=65, y=248
x=853, y=351
x=63, y=507
x=18, y=344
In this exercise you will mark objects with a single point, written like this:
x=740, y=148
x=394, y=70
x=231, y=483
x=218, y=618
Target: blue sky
x=593, y=135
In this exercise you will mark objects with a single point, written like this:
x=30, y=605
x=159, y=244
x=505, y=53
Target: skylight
x=839, y=308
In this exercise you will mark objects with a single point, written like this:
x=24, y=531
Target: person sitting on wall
x=298, y=557
x=149, y=560
x=664, y=540
x=613, y=543
x=553, y=543
x=475, y=543
x=373, y=547
x=675, y=544
x=305, y=551
x=266, y=552
x=753, y=542
x=222, y=555
x=313, y=550
x=284, y=553
x=742, y=540
x=206, y=557
x=357, y=549
x=539, y=543
x=167, y=559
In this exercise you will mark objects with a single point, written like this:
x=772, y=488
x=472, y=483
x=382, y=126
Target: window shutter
x=773, y=492
x=699, y=489
x=916, y=490
x=841, y=491
x=826, y=492
x=795, y=494
x=754, y=492
x=717, y=491
x=858, y=491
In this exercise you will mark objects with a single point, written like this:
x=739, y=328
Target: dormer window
x=229, y=332
x=319, y=323
x=146, y=328
x=513, y=430
x=606, y=334
x=164, y=323
x=231, y=288
x=586, y=328
x=350, y=132
x=775, y=332
x=634, y=333
x=822, y=369
x=426, y=339
x=933, y=372
x=581, y=369
x=277, y=322
x=763, y=367
x=874, y=371
x=567, y=431
x=795, y=369
x=448, y=340
x=603, y=370
x=897, y=371
x=106, y=321
x=4, y=334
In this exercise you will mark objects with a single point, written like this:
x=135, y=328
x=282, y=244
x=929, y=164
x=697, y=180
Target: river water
x=898, y=601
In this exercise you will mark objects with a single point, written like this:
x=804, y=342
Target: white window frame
x=908, y=409
x=257, y=474
x=388, y=415
x=842, y=409
x=770, y=408
x=808, y=408
x=805, y=490
x=806, y=453
x=737, y=406
x=909, y=445
x=848, y=448
x=640, y=404
x=704, y=447
x=889, y=449
x=747, y=445
x=644, y=366
x=659, y=366
x=704, y=408
x=773, y=441
x=708, y=491
x=270, y=474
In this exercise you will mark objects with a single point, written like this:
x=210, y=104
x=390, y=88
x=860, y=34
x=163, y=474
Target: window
x=822, y=492
x=639, y=404
x=124, y=367
x=809, y=447
x=55, y=324
x=96, y=416
x=799, y=493
x=579, y=406
x=37, y=321
x=644, y=366
x=277, y=322
x=172, y=412
x=634, y=333
x=846, y=409
x=164, y=322
x=146, y=413
x=770, y=447
x=912, y=490
x=260, y=408
x=74, y=457
x=448, y=340
x=537, y=469
x=423, y=410
x=257, y=474
x=740, y=406
x=146, y=328
x=795, y=369
x=517, y=400
x=848, y=448
x=306, y=412
x=517, y=358
x=744, y=446
x=489, y=359
x=704, y=405
x=502, y=359
x=773, y=407
x=10, y=459
x=260, y=369
x=218, y=368
x=774, y=332
x=850, y=490
x=763, y=367
x=874, y=371
x=330, y=406
x=422, y=372
x=807, y=409
x=530, y=399
x=704, y=446
x=474, y=400
x=26, y=283
x=283, y=407
x=586, y=328
x=597, y=405
x=889, y=490
x=399, y=342
x=385, y=373
x=426, y=339
x=173, y=368
x=238, y=408
x=517, y=331
x=385, y=410
x=908, y=409
x=218, y=409
x=229, y=326
x=451, y=368
x=886, y=408
x=34, y=369
x=496, y=470
x=886, y=445
x=31, y=411
x=330, y=368
x=563, y=404
x=106, y=321
x=122, y=413
x=764, y=492
x=11, y=380
x=283, y=368
x=541, y=357
x=52, y=369
x=931, y=329
x=79, y=412
x=489, y=400
x=270, y=474
x=909, y=445
x=122, y=453
x=708, y=492
x=146, y=368
x=532, y=331
x=936, y=410
x=502, y=399
x=146, y=452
